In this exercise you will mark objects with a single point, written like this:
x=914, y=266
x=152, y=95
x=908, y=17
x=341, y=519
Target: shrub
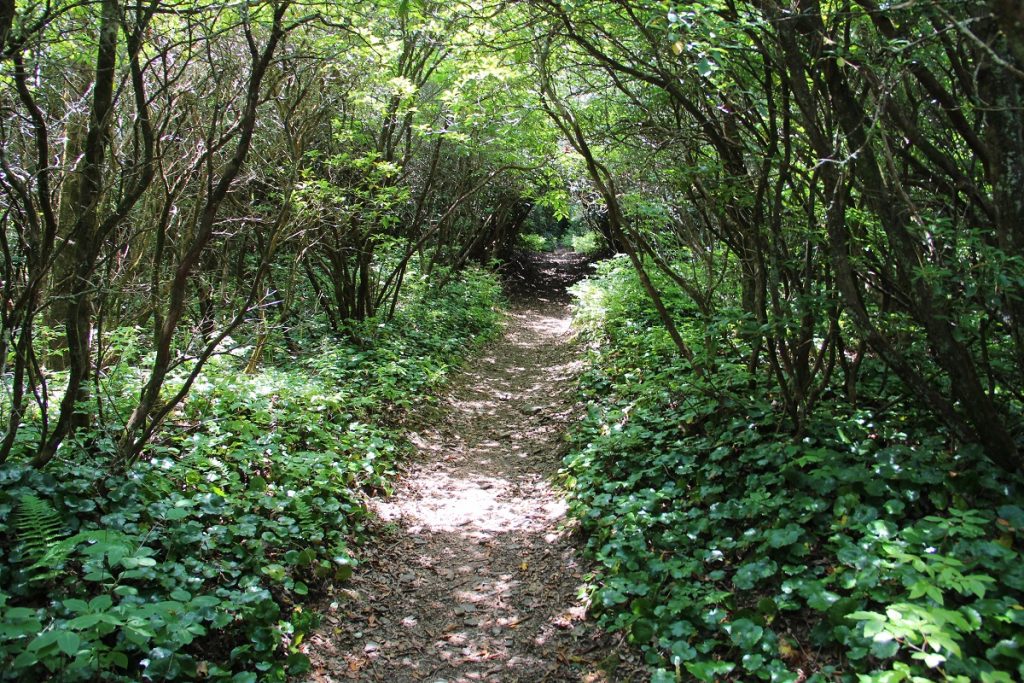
x=589, y=243
x=532, y=242
x=197, y=561
x=871, y=548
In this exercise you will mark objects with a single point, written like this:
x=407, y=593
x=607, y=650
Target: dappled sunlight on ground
x=475, y=577
x=468, y=503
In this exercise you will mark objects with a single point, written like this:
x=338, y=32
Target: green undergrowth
x=197, y=562
x=868, y=549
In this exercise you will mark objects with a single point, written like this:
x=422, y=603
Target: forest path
x=475, y=577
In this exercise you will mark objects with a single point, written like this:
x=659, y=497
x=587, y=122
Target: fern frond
x=39, y=528
x=59, y=552
x=304, y=515
x=302, y=512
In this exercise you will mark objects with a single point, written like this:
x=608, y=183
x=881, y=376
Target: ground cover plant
x=868, y=547
x=820, y=206
x=196, y=563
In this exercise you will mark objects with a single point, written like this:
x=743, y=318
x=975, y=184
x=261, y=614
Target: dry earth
x=475, y=575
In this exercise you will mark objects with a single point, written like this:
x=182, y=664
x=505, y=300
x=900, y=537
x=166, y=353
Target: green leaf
x=274, y=571
x=85, y=621
x=749, y=574
x=1012, y=514
x=205, y=601
x=752, y=662
x=780, y=538
x=708, y=670
x=68, y=642
x=662, y=676
x=866, y=616
x=705, y=67
x=25, y=660
x=931, y=659
x=76, y=605
x=642, y=631
x=744, y=633
x=101, y=603
x=297, y=663
x=886, y=648
x=821, y=599
x=611, y=596
x=43, y=640
x=1009, y=649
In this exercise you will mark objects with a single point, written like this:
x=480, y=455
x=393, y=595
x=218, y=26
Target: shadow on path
x=476, y=577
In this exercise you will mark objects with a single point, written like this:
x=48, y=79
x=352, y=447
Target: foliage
x=840, y=169
x=588, y=243
x=533, y=242
x=197, y=562
x=320, y=153
x=869, y=548
x=820, y=207
x=38, y=528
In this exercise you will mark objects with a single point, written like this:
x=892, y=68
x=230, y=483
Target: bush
x=196, y=562
x=589, y=243
x=532, y=242
x=872, y=548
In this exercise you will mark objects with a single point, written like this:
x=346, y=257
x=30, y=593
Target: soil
x=475, y=574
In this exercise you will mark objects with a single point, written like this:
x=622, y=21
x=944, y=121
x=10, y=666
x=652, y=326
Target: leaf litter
x=474, y=574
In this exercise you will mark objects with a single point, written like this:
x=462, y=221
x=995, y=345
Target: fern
x=304, y=515
x=104, y=541
x=39, y=528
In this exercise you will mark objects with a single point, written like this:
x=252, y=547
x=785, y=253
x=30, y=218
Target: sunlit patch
x=478, y=560
x=450, y=502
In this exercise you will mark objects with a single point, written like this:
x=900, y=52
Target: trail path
x=476, y=576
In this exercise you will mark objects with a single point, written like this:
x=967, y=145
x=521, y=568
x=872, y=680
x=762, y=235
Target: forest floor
x=475, y=574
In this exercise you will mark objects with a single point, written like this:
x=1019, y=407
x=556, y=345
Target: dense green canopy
x=825, y=198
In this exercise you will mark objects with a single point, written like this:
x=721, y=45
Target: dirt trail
x=475, y=576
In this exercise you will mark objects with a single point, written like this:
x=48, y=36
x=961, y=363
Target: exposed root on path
x=475, y=576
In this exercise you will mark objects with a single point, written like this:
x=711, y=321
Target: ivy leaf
x=708, y=670
x=752, y=572
x=175, y=514
x=744, y=633
x=821, y=599
x=274, y=571
x=663, y=676
x=611, y=596
x=752, y=662
x=786, y=536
